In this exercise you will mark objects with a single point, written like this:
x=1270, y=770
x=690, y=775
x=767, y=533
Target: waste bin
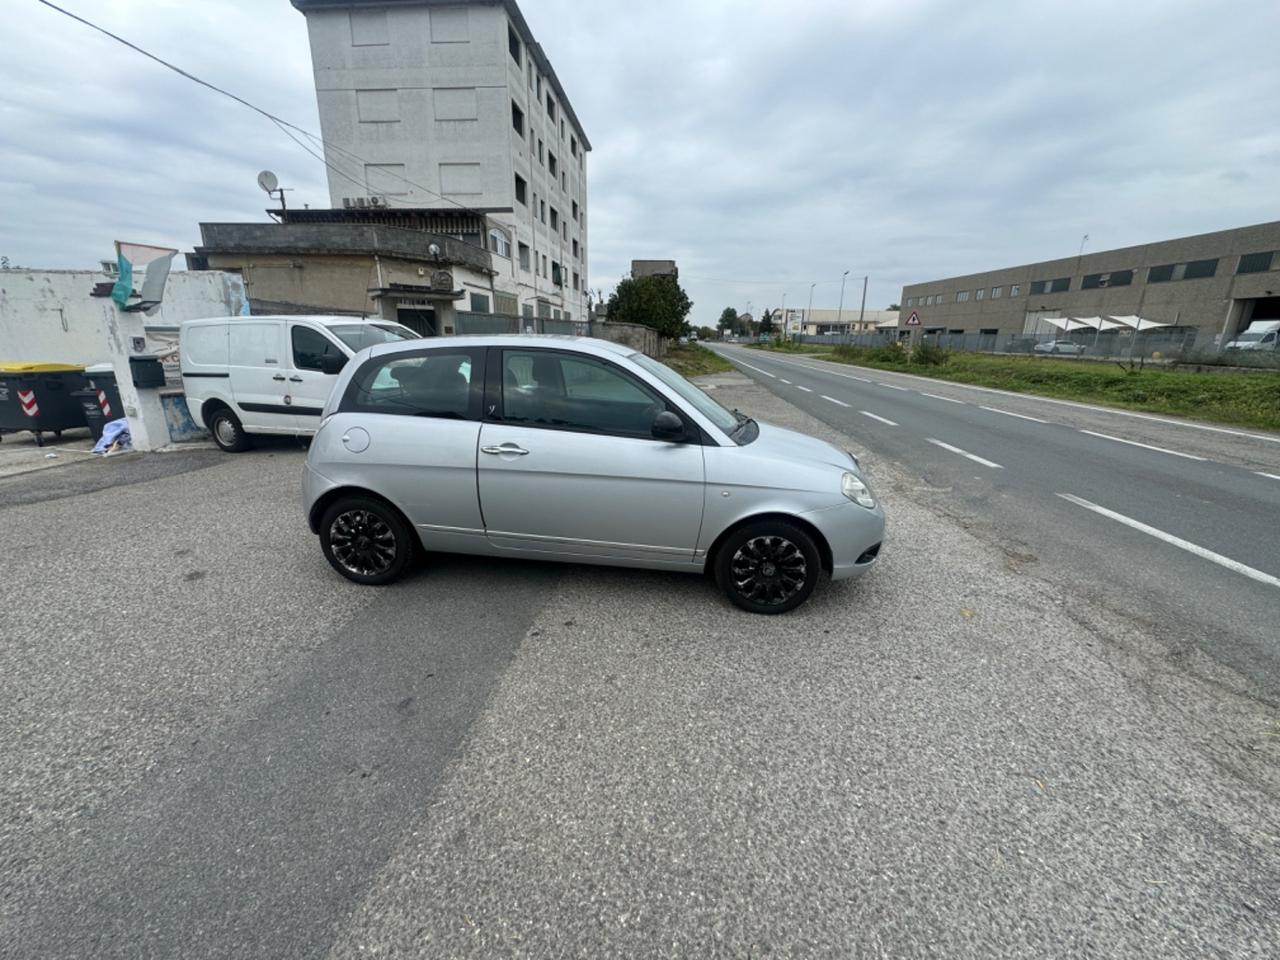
x=38, y=397
x=102, y=378
x=94, y=416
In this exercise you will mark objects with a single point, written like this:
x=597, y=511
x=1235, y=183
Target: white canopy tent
x=1067, y=324
x=888, y=324
x=1138, y=324
x=1096, y=323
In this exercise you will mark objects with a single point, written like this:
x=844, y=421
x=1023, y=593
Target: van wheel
x=768, y=567
x=366, y=541
x=227, y=432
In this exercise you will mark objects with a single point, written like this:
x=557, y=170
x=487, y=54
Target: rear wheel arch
x=329, y=497
x=824, y=548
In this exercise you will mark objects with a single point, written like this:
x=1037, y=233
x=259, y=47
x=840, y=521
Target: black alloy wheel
x=366, y=540
x=768, y=567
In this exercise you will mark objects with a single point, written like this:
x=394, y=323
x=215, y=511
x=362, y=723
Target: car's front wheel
x=366, y=540
x=768, y=567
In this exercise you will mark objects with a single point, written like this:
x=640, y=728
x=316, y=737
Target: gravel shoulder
x=945, y=758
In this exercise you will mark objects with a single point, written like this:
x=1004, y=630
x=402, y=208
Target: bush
x=927, y=354
x=886, y=353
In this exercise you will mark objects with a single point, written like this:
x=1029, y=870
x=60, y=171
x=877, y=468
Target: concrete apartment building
x=1212, y=284
x=435, y=109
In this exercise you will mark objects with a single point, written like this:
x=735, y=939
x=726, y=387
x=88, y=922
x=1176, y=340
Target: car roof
x=544, y=340
x=324, y=319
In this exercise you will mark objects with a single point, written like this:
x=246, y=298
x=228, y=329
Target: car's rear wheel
x=227, y=431
x=768, y=567
x=366, y=540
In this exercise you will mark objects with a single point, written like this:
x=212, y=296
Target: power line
x=278, y=121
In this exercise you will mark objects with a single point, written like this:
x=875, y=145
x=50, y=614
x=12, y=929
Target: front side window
x=310, y=347
x=548, y=389
x=433, y=383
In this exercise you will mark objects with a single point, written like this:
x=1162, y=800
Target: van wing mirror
x=331, y=363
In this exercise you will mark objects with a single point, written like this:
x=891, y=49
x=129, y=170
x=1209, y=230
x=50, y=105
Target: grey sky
x=772, y=142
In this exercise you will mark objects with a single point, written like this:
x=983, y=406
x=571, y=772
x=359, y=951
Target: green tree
x=657, y=302
x=894, y=306
x=728, y=320
x=766, y=322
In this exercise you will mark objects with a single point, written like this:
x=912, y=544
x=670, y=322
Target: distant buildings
x=457, y=175
x=654, y=268
x=846, y=321
x=1210, y=285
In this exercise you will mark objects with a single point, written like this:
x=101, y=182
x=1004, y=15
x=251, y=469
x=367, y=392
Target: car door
x=406, y=428
x=309, y=384
x=567, y=465
x=258, y=367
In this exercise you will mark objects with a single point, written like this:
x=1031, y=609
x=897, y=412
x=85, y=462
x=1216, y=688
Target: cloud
x=763, y=145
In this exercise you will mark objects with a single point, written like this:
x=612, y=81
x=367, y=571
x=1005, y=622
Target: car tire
x=366, y=540
x=227, y=432
x=768, y=567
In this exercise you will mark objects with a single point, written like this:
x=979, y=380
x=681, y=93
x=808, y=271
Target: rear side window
x=431, y=383
x=546, y=389
x=310, y=346
x=206, y=344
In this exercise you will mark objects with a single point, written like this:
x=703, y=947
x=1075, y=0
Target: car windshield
x=357, y=336
x=1250, y=337
x=706, y=405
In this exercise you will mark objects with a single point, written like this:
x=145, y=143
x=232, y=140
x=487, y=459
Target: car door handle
x=278, y=376
x=511, y=448
x=296, y=379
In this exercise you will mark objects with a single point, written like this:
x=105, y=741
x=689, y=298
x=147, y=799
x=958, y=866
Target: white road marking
x=805, y=389
x=1010, y=413
x=875, y=416
x=965, y=453
x=1039, y=399
x=1145, y=446
x=1269, y=476
x=757, y=369
x=784, y=380
x=1199, y=551
x=892, y=386
x=936, y=396
x=841, y=403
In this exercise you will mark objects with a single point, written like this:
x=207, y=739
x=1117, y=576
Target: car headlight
x=851, y=486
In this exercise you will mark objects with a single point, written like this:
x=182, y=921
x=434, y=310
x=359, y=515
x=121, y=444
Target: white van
x=1261, y=335
x=270, y=375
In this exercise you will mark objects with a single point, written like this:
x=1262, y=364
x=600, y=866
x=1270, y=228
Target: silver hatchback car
x=574, y=449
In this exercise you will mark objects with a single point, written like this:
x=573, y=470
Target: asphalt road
x=215, y=747
x=1074, y=487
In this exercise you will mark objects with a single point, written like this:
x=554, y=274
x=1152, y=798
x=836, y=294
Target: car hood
x=790, y=445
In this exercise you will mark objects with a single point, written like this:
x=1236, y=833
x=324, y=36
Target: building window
x=530, y=65
x=1117, y=278
x=575, y=279
x=513, y=43
x=517, y=119
x=552, y=165
x=982, y=292
x=573, y=145
x=541, y=155
x=575, y=211
x=499, y=243
x=1195, y=270
x=564, y=181
x=542, y=210
x=522, y=190
x=1015, y=290
x=962, y=296
x=1255, y=262
x=551, y=109
x=557, y=273
x=575, y=248
x=527, y=311
x=1040, y=287
x=524, y=256
x=479, y=303
x=544, y=264
x=1200, y=269
x=564, y=231
x=562, y=128
x=997, y=293
x=555, y=219
x=506, y=303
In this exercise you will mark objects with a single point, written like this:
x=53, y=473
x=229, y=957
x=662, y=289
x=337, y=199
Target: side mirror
x=331, y=364
x=667, y=426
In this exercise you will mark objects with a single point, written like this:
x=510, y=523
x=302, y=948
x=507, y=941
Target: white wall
x=48, y=315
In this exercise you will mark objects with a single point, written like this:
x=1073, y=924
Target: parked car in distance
x=1059, y=346
x=269, y=375
x=574, y=449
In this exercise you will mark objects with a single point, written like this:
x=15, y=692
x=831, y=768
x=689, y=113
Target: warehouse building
x=1206, y=287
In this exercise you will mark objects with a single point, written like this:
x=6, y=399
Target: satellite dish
x=267, y=181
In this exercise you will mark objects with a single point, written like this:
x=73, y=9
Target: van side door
x=259, y=367
x=311, y=349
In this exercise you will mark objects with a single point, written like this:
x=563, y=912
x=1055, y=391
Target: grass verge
x=694, y=360
x=1244, y=400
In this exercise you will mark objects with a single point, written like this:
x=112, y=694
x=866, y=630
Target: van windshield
x=357, y=336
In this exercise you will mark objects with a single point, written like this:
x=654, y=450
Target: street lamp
x=810, y=308
x=840, y=311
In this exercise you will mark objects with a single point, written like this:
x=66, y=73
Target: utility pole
x=863, y=311
x=810, y=309
x=840, y=311
x=784, y=315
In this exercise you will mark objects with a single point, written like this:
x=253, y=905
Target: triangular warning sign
x=913, y=320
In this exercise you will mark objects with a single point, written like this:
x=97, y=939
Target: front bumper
x=854, y=535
